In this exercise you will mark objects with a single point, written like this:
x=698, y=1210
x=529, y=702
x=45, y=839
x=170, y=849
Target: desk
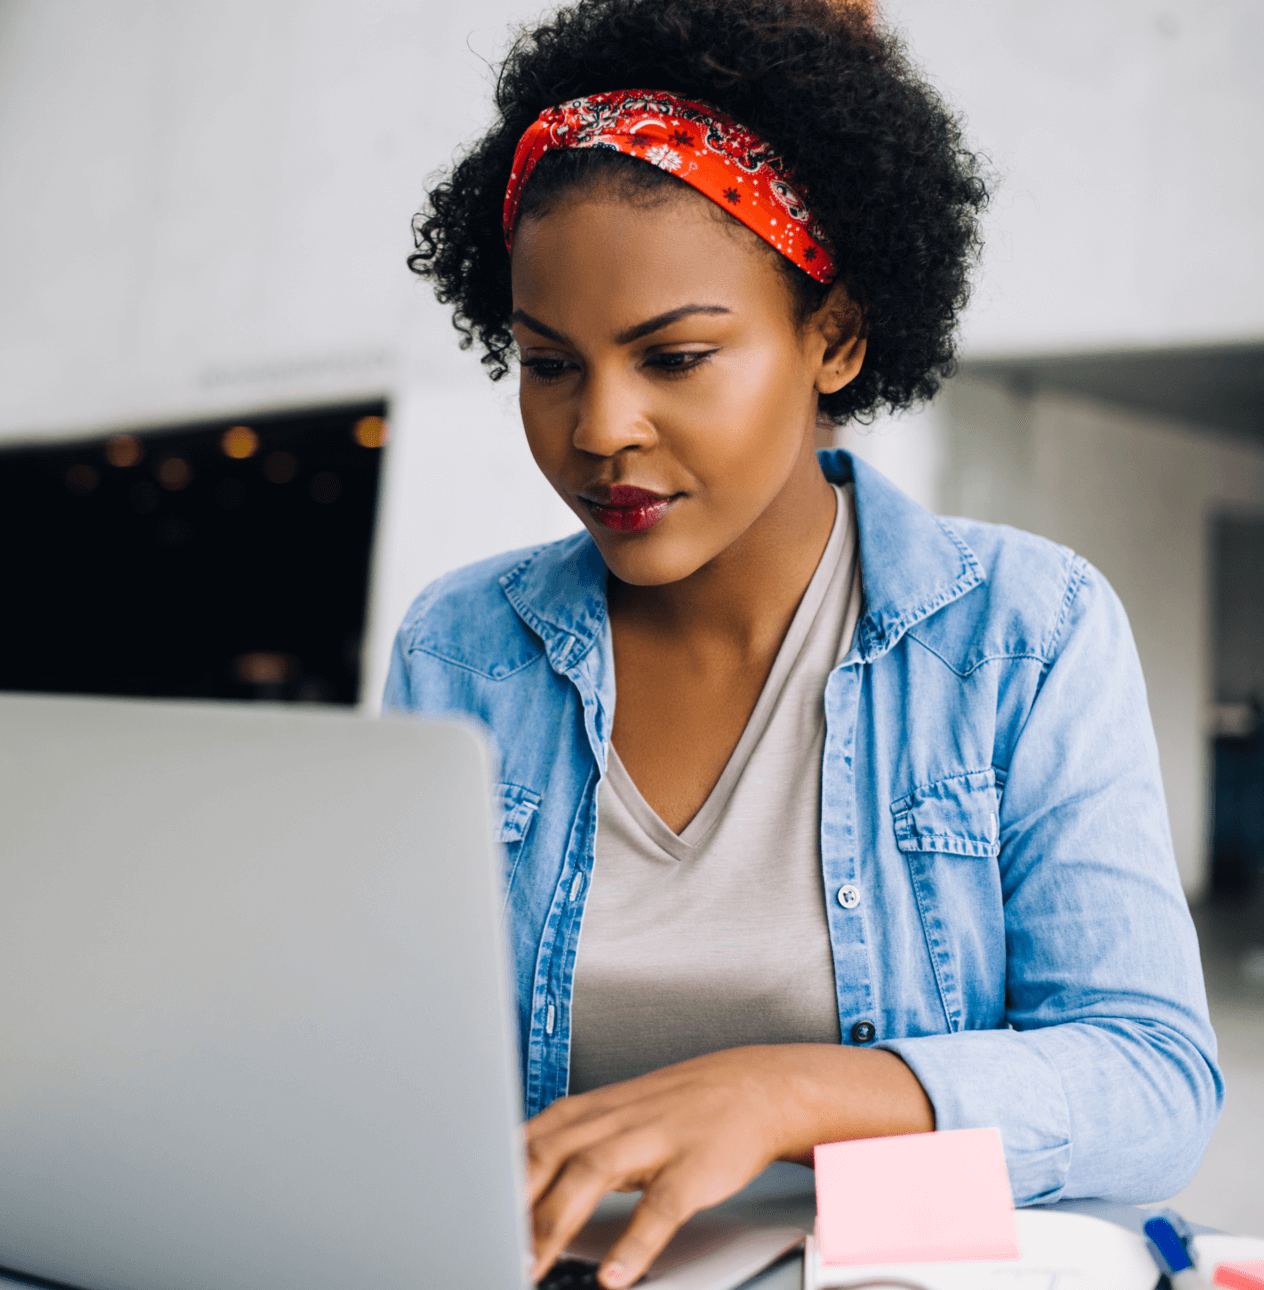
x=785, y=1276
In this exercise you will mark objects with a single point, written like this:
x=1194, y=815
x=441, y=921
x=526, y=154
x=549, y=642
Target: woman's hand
x=690, y=1135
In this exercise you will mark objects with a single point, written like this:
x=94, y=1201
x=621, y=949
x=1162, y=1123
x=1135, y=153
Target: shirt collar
x=912, y=564
x=559, y=591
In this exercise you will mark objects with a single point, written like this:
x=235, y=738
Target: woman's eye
x=679, y=360
x=545, y=369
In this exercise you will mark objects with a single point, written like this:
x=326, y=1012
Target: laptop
x=254, y=1021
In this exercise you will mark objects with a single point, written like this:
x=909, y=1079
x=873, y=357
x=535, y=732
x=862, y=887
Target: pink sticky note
x=916, y=1198
x=1243, y=1274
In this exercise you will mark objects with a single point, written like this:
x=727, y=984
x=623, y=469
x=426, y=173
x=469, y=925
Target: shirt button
x=848, y=897
x=863, y=1032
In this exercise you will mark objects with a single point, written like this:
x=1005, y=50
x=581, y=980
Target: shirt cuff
x=992, y=1079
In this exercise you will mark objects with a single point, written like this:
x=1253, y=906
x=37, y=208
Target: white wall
x=207, y=204
x=1125, y=137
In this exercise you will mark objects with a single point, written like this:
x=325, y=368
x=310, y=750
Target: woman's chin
x=649, y=560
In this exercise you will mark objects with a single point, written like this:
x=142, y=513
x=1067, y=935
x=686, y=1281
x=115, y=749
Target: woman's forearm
x=830, y=1093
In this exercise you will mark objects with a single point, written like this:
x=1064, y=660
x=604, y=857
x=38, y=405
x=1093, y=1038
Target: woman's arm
x=1105, y=1082
x=690, y=1135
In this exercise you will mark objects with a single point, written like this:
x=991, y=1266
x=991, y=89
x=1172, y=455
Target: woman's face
x=668, y=392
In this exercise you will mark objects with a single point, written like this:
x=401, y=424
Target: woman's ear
x=841, y=324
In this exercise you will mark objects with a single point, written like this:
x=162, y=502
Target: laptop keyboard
x=570, y=1274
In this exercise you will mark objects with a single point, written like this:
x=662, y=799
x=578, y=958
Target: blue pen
x=1169, y=1239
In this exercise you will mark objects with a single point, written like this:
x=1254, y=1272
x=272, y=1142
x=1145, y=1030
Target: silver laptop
x=254, y=1024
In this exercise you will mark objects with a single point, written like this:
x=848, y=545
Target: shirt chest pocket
x=516, y=808
x=959, y=815
x=943, y=830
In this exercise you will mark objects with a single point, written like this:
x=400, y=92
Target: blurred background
x=237, y=438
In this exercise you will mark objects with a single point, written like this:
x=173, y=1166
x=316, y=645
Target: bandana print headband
x=709, y=151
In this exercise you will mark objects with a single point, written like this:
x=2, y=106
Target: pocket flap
x=959, y=815
x=518, y=806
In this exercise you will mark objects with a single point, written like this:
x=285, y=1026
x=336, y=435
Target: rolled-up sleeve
x=1104, y=1081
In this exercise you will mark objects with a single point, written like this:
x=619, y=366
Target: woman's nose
x=610, y=418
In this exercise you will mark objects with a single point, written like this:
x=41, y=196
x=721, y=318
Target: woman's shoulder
x=467, y=617
x=1030, y=567
x=968, y=589
x=1032, y=593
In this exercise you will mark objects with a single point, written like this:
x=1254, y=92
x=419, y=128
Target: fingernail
x=614, y=1274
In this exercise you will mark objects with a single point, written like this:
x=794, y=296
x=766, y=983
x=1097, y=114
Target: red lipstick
x=626, y=509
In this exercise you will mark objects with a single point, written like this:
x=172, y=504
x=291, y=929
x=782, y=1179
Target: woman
x=858, y=810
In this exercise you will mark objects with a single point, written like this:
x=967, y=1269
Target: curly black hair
x=879, y=156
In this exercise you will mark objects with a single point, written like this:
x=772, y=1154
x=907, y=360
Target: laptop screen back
x=253, y=1003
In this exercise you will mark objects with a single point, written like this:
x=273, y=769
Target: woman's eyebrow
x=521, y=315
x=660, y=321
x=626, y=337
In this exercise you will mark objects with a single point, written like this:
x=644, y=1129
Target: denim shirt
x=1003, y=902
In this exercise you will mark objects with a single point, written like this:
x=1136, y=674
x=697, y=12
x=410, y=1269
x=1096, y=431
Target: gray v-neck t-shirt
x=717, y=937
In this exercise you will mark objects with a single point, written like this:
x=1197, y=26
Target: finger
x=570, y=1110
x=658, y=1217
x=548, y=1153
x=567, y=1112
x=569, y=1203
x=558, y=1114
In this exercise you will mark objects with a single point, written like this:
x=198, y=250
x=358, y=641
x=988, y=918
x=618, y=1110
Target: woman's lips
x=626, y=509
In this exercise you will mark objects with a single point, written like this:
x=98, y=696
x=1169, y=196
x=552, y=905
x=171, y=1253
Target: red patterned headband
x=712, y=153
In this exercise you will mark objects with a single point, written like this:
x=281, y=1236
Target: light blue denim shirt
x=990, y=789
